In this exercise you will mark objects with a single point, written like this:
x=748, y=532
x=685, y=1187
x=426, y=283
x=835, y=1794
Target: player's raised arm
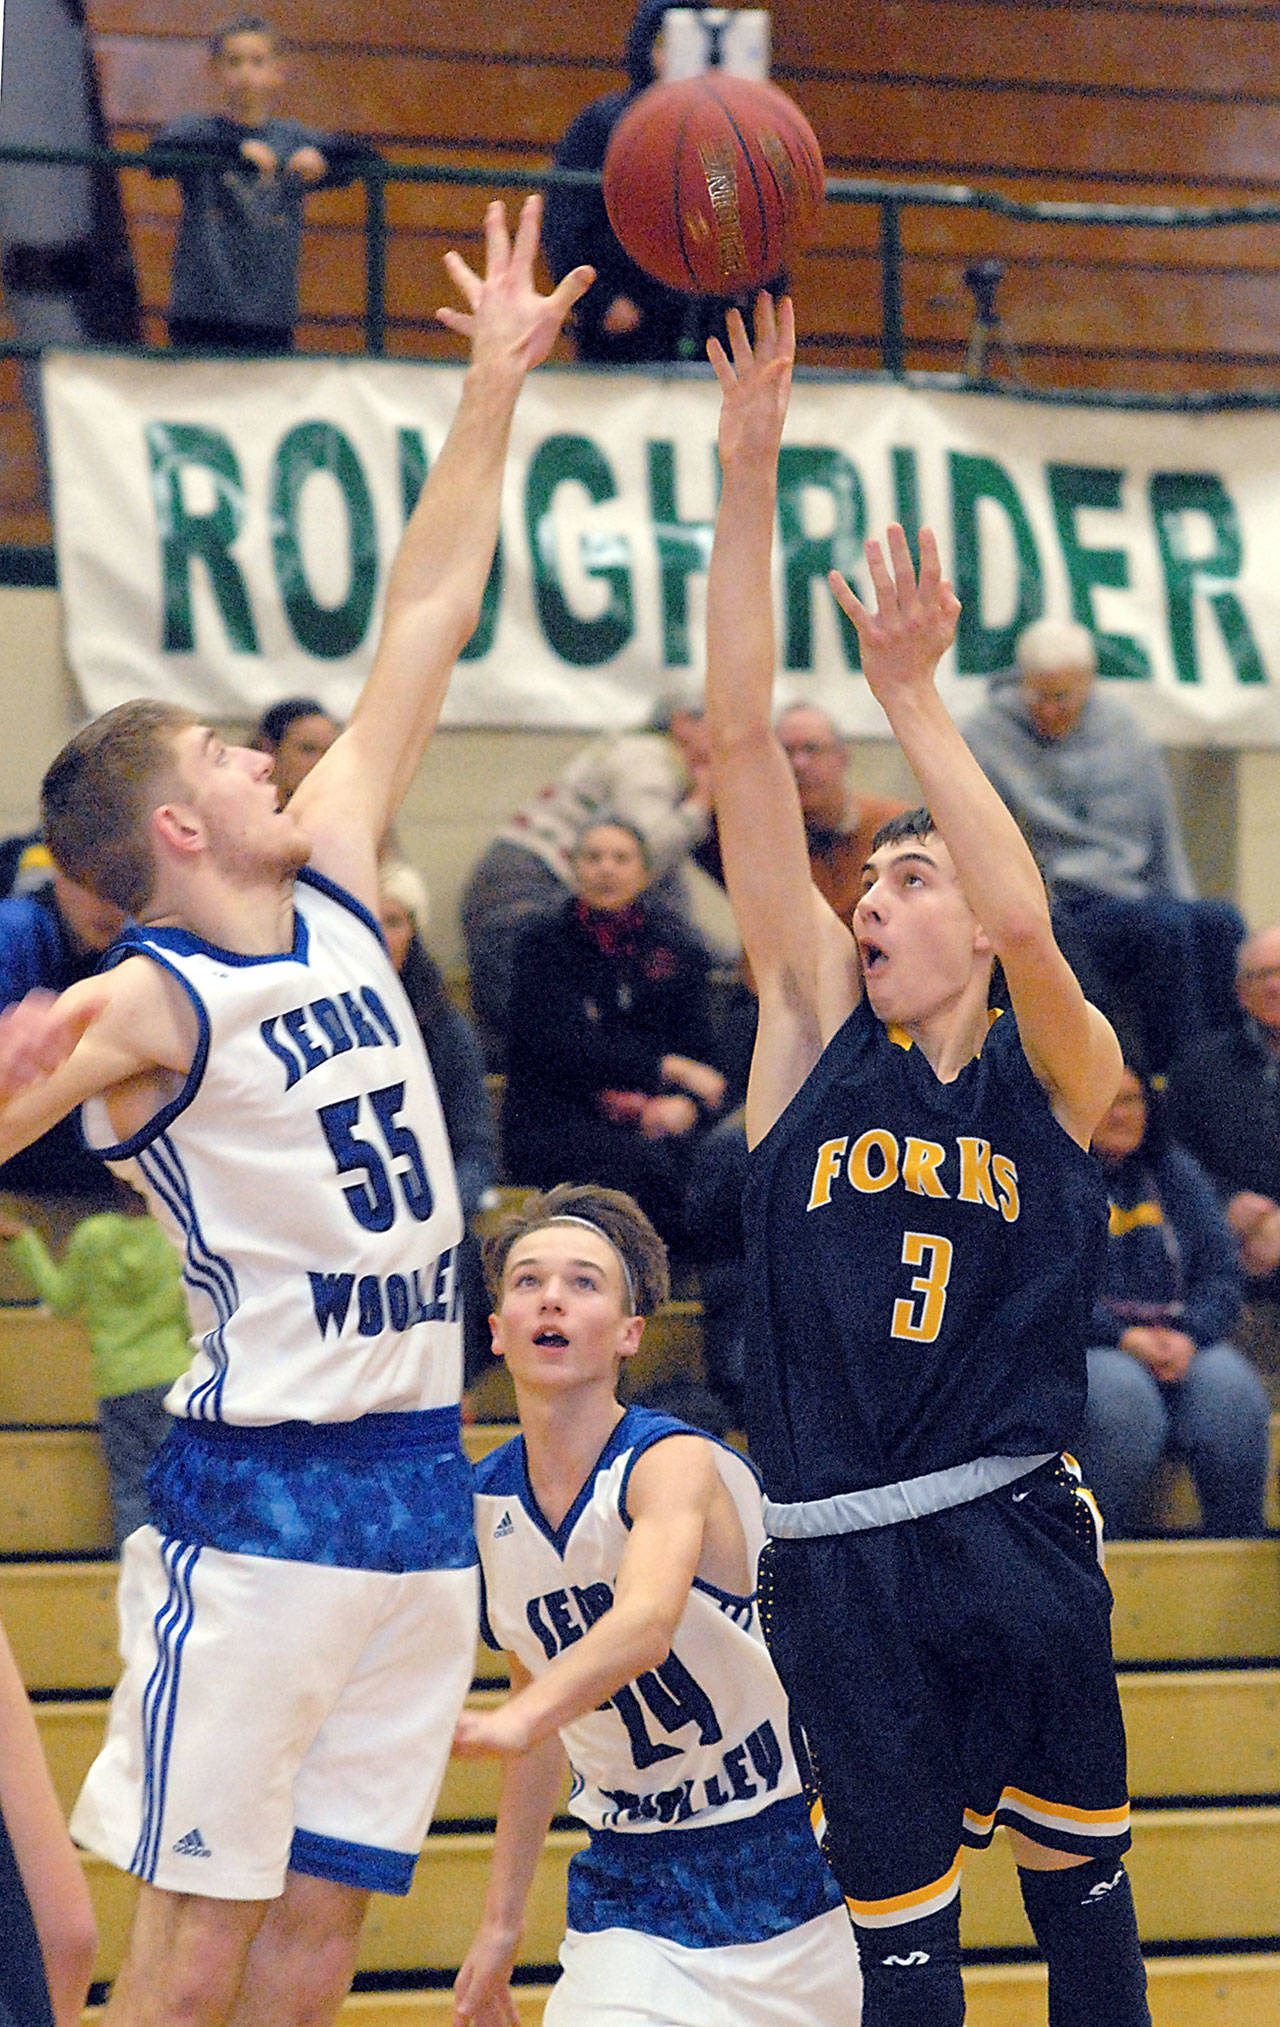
x=803, y=960
x=438, y=578
x=1068, y=1043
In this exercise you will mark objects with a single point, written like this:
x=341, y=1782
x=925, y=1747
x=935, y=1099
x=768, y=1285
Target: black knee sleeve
x=1083, y=1919
x=911, y=1972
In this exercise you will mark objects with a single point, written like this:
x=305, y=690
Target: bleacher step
x=1198, y=1875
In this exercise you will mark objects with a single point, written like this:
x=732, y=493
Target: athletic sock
x=1082, y=1917
x=911, y=1972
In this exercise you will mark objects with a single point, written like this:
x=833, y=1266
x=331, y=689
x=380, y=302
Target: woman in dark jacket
x=610, y=1046
x=1162, y=1375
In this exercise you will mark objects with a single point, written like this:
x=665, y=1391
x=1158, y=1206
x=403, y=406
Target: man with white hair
x=1094, y=800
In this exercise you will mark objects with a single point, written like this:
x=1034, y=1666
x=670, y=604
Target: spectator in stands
x=52, y=939
x=610, y=1052
x=839, y=823
x=1163, y=1377
x=657, y=781
x=234, y=286
x=1224, y=1106
x=47, y=1936
x=122, y=1274
x=1094, y=800
x=295, y=732
x=458, y=1068
x=25, y=864
x=626, y=317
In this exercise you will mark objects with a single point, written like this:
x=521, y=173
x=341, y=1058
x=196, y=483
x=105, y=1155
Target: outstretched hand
x=915, y=618
x=505, y=315
x=755, y=384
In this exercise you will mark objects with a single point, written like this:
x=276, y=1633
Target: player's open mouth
x=873, y=958
x=555, y=1338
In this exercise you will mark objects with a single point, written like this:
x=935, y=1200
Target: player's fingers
x=575, y=284
x=930, y=562
x=766, y=326
x=787, y=328
x=456, y=320
x=497, y=242
x=720, y=364
x=527, y=229
x=464, y=279
x=846, y=597
x=885, y=589
x=904, y=573
x=739, y=343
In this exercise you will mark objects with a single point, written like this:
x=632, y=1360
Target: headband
x=588, y=1225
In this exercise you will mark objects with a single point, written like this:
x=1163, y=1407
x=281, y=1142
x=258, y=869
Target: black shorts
x=946, y=1675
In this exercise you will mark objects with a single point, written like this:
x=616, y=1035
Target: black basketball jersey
x=922, y=1265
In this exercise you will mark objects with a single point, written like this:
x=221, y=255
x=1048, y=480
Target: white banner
x=224, y=532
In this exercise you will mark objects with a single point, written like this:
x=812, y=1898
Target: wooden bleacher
x=1141, y=103
x=1197, y=1635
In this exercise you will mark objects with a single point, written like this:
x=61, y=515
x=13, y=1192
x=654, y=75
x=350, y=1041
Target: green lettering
x=186, y=537
x=1188, y=576
x=982, y=648
x=803, y=468
x=683, y=548
x=575, y=460
x=1072, y=487
x=329, y=631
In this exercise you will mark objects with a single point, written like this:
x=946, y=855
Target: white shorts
x=618, y=1977
x=275, y=1715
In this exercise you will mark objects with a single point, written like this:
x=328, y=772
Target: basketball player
x=618, y=1550
x=925, y=1230
x=298, y=1624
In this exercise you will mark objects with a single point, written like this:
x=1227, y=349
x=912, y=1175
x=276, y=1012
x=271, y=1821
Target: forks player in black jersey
x=925, y=1229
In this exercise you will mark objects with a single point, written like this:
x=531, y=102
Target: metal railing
x=892, y=200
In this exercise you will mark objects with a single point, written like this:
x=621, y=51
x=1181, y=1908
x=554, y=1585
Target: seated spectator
x=122, y=1274
x=609, y=1070
x=295, y=732
x=1163, y=1377
x=1224, y=1106
x=25, y=864
x=626, y=318
x=458, y=1068
x=52, y=939
x=839, y=824
x=657, y=782
x=1094, y=800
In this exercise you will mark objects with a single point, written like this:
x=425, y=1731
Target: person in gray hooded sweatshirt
x=1093, y=798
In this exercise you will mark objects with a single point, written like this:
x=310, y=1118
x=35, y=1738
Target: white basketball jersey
x=304, y=1172
x=700, y=1740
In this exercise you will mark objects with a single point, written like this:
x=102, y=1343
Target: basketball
x=713, y=183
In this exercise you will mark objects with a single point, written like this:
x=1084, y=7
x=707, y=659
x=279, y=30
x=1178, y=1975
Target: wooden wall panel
x=1137, y=101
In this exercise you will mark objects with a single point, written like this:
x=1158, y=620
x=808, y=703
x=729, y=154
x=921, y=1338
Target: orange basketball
x=713, y=183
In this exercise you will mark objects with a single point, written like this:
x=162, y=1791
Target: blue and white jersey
x=685, y=1777
x=700, y=1739
x=304, y=1172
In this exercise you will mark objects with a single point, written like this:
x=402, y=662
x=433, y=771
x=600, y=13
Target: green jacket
x=123, y=1276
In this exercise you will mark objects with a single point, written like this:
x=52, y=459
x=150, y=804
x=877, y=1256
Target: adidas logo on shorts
x=505, y=1526
x=192, y=1846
